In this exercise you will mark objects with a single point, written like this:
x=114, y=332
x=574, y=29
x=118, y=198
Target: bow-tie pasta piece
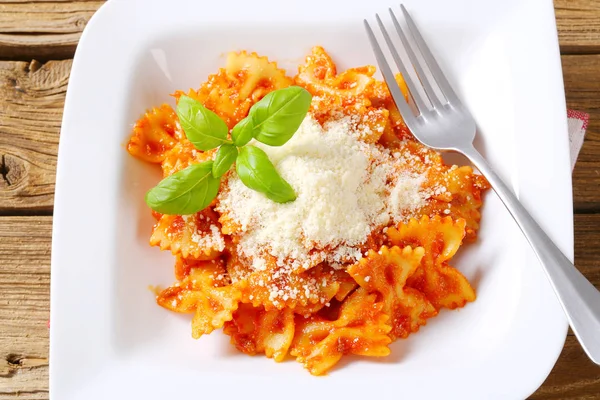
x=182, y=155
x=254, y=330
x=462, y=197
x=360, y=329
x=386, y=272
x=443, y=284
x=155, y=134
x=351, y=93
x=205, y=292
x=183, y=266
x=335, y=284
x=193, y=236
x=447, y=190
x=246, y=79
x=267, y=284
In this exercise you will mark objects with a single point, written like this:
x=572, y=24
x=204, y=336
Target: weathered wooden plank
x=50, y=29
x=578, y=23
x=587, y=251
x=24, y=310
x=574, y=376
x=582, y=88
x=24, y=306
x=31, y=103
x=43, y=30
x=588, y=260
x=65, y=17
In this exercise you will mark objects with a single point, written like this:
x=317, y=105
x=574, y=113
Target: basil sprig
x=258, y=173
x=272, y=121
x=279, y=114
x=242, y=132
x=186, y=191
x=224, y=159
x=202, y=127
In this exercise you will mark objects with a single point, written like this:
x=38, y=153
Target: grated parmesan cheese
x=205, y=240
x=345, y=188
x=406, y=195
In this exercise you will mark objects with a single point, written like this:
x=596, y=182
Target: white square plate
x=108, y=337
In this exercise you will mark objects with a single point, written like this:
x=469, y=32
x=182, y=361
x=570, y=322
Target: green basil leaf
x=224, y=159
x=242, y=132
x=202, y=127
x=277, y=116
x=185, y=192
x=258, y=173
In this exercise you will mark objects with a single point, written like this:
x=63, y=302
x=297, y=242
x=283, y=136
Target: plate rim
x=117, y=10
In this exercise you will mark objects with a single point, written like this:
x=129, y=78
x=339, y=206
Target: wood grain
x=578, y=25
x=24, y=310
x=50, y=29
x=24, y=306
x=43, y=30
x=31, y=103
x=574, y=376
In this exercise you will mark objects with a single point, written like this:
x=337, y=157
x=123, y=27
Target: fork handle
x=580, y=300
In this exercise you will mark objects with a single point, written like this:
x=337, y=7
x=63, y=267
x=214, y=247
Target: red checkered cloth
x=578, y=123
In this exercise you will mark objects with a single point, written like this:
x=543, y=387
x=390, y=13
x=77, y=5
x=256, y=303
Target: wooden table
x=37, y=42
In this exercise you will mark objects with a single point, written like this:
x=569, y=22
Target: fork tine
x=416, y=64
x=434, y=67
x=409, y=82
x=388, y=76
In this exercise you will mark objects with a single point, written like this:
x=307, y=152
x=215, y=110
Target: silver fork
x=448, y=125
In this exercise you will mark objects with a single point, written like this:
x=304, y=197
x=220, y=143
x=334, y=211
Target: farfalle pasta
x=386, y=273
x=197, y=236
x=443, y=285
x=206, y=293
x=359, y=258
x=361, y=329
x=254, y=330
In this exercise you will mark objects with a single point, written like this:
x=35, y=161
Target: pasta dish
x=304, y=218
